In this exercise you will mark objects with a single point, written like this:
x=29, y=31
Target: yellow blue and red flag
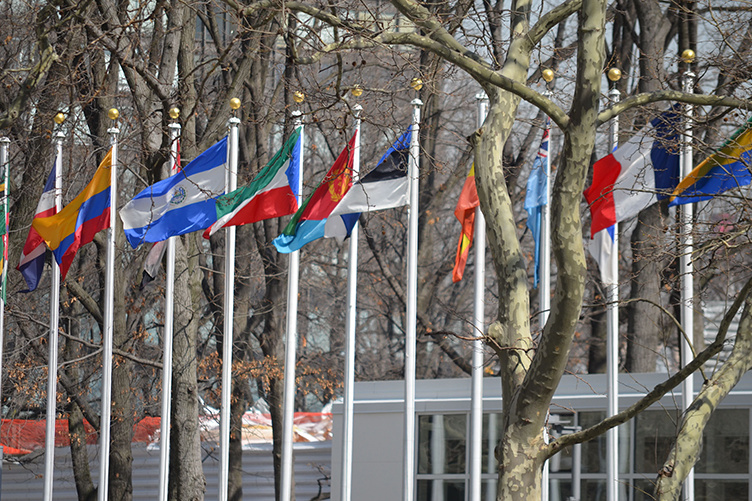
x=78, y=222
x=727, y=168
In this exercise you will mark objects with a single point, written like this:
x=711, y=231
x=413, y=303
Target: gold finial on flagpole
x=59, y=118
x=548, y=75
x=174, y=113
x=688, y=56
x=614, y=74
x=356, y=91
x=113, y=113
x=298, y=96
x=416, y=83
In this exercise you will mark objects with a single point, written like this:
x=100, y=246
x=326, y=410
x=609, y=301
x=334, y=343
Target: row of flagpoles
x=51, y=230
x=162, y=223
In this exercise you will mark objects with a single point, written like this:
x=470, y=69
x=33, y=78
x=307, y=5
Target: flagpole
x=350, y=324
x=291, y=338
x=412, y=301
x=231, y=181
x=476, y=410
x=5, y=165
x=544, y=285
x=109, y=294
x=49, y=436
x=686, y=265
x=612, y=328
x=164, y=425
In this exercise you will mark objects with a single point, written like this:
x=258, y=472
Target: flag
x=385, y=187
x=34, y=250
x=153, y=259
x=269, y=195
x=727, y=168
x=307, y=224
x=152, y=263
x=601, y=247
x=78, y=222
x=537, y=196
x=182, y=203
x=639, y=173
x=465, y=213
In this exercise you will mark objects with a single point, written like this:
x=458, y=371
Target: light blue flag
x=537, y=196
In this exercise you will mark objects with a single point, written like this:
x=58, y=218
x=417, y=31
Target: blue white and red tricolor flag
x=34, y=250
x=639, y=173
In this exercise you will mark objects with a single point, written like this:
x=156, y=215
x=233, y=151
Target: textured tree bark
x=645, y=325
x=529, y=382
x=187, y=481
x=77, y=433
x=121, y=429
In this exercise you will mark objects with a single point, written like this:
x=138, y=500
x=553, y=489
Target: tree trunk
x=187, y=481
x=121, y=429
x=76, y=431
x=645, y=326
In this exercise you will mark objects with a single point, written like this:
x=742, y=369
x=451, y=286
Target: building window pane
x=721, y=490
x=441, y=490
x=725, y=443
x=594, y=490
x=491, y=434
x=488, y=490
x=643, y=490
x=559, y=490
x=655, y=432
x=441, y=443
x=593, y=451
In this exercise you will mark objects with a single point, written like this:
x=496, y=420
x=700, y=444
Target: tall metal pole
x=164, y=425
x=686, y=271
x=291, y=345
x=612, y=342
x=544, y=287
x=412, y=306
x=479, y=285
x=49, y=436
x=4, y=142
x=109, y=296
x=5, y=165
x=350, y=324
x=231, y=182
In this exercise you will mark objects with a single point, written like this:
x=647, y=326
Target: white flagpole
x=612, y=342
x=350, y=324
x=5, y=165
x=408, y=493
x=164, y=425
x=544, y=286
x=231, y=182
x=109, y=295
x=291, y=345
x=479, y=285
x=49, y=437
x=686, y=271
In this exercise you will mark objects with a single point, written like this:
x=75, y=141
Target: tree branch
x=660, y=390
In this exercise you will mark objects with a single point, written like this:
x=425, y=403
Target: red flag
x=465, y=213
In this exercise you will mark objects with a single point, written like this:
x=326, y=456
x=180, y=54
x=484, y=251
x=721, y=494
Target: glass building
x=443, y=430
